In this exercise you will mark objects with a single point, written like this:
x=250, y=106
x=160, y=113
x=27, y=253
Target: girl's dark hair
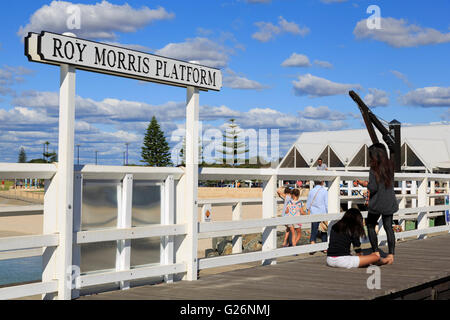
x=351, y=224
x=295, y=193
x=381, y=165
x=287, y=190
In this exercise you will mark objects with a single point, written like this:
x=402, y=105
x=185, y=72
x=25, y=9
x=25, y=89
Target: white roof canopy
x=430, y=143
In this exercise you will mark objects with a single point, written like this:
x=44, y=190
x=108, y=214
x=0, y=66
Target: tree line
x=155, y=151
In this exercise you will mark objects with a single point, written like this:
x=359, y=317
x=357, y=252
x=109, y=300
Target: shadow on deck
x=421, y=271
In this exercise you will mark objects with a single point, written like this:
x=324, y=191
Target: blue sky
x=286, y=64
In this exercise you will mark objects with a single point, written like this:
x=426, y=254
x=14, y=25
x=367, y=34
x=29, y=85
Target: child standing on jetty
x=295, y=208
x=285, y=194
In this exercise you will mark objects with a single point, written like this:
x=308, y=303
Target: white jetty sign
x=57, y=49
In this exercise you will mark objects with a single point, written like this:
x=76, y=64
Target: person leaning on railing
x=382, y=200
x=317, y=203
x=285, y=194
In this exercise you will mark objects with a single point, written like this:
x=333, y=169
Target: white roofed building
x=425, y=148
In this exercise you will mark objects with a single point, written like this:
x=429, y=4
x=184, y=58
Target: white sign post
x=65, y=178
x=71, y=53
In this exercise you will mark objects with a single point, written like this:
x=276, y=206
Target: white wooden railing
x=178, y=244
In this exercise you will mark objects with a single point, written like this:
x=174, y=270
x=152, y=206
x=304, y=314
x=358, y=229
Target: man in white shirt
x=321, y=165
x=317, y=204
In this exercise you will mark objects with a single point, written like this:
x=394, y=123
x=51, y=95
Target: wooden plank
x=417, y=263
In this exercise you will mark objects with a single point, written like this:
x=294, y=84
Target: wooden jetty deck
x=421, y=270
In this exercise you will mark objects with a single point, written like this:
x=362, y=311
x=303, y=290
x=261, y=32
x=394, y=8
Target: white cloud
x=322, y=113
x=317, y=87
x=402, y=77
x=202, y=50
x=10, y=76
x=98, y=21
x=428, y=97
x=376, y=98
x=296, y=60
x=268, y=31
x=398, y=33
x=323, y=64
x=333, y=1
x=235, y=81
x=105, y=125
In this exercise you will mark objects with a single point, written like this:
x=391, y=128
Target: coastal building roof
x=424, y=148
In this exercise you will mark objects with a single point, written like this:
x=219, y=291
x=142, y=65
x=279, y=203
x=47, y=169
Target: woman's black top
x=382, y=200
x=339, y=244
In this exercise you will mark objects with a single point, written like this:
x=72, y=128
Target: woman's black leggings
x=371, y=222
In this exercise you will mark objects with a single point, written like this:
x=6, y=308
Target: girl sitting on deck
x=344, y=233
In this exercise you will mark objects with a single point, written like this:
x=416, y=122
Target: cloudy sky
x=287, y=65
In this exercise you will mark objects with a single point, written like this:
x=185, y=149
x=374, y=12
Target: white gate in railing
x=178, y=232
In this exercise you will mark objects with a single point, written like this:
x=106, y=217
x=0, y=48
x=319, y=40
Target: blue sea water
x=20, y=270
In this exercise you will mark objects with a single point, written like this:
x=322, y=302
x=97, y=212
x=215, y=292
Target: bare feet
x=389, y=259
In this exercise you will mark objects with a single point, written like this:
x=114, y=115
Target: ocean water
x=20, y=270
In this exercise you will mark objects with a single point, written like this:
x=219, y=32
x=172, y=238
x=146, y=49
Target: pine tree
x=233, y=145
x=182, y=153
x=22, y=156
x=155, y=151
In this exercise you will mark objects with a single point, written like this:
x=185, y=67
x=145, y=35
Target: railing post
x=413, y=190
x=168, y=219
x=334, y=199
x=77, y=212
x=50, y=226
x=349, y=193
x=431, y=200
x=237, y=239
x=123, y=254
x=422, y=218
x=269, y=234
x=402, y=205
x=191, y=181
x=65, y=179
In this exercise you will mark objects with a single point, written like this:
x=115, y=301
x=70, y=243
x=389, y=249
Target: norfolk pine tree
x=155, y=151
x=22, y=156
x=233, y=145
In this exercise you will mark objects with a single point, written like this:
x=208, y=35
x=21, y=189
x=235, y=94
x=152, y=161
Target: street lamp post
x=78, y=153
x=127, y=144
x=96, y=157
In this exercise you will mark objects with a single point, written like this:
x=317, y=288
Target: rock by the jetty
x=228, y=249
x=249, y=237
x=222, y=245
x=210, y=253
x=216, y=242
x=252, y=245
